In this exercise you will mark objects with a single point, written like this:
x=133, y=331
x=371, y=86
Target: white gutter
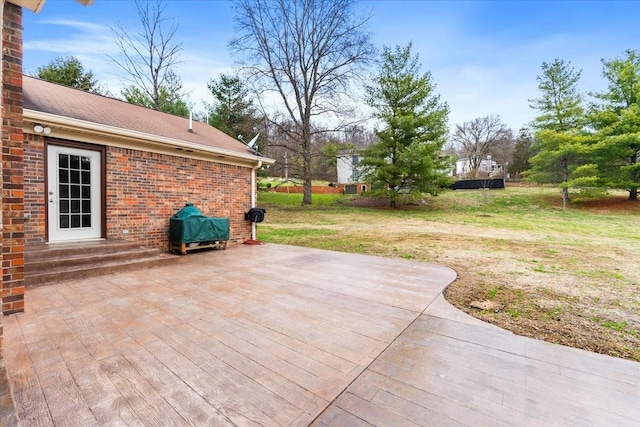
x=254, y=194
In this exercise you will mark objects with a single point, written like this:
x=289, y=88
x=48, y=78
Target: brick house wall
x=34, y=189
x=143, y=190
x=12, y=287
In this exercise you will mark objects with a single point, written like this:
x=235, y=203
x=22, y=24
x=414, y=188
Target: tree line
x=311, y=55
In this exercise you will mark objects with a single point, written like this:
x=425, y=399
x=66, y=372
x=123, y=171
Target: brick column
x=12, y=290
x=2, y=2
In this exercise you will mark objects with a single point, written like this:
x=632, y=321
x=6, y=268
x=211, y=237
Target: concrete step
x=63, y=261
x=41, y=251
x=79, y=260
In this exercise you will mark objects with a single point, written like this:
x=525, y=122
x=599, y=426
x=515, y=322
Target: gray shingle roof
x=64, y=101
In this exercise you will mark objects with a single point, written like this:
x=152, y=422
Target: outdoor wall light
x=38, y=128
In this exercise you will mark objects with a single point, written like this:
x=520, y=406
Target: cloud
x=76, y=38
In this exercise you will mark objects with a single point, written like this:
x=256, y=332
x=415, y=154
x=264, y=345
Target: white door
x=74, y=197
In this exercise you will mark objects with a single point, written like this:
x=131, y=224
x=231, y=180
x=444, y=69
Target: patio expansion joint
x=364, y=369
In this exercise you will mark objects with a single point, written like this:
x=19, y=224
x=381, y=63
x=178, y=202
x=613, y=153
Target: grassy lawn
x=568, y=276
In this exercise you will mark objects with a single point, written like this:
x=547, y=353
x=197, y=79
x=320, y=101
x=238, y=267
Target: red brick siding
x=35, y=198
x=12, y=289
x=144, y=189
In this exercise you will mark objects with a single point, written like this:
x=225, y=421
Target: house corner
x=12, y=221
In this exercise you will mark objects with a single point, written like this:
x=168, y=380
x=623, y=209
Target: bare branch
x=477, y=138
x=149, y=55
x=307, y=52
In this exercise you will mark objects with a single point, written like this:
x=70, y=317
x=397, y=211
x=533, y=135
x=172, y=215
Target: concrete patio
x=279, y=335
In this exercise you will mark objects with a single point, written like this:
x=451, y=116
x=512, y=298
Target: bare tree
x=307, y=52
x=148, y=57
x=477, y=138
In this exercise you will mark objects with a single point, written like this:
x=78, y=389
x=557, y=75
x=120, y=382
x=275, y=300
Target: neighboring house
x=349, y=172
x=347, y=165
x=97, y=167
x=487, y=166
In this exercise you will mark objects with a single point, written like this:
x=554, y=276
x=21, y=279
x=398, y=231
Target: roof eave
x=36, y=5
x=57, y=122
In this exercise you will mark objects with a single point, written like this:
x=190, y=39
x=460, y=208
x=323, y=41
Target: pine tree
x=406, y=158
x=68, y=71
x=559, y=137
x=232, y=111
x=617, y=123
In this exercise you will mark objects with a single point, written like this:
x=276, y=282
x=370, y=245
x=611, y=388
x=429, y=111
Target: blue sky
x=484, y=56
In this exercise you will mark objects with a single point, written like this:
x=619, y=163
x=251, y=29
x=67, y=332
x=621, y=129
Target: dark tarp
x=190, y=226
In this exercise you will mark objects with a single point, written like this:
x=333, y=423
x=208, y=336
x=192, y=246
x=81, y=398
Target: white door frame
x=74, y=193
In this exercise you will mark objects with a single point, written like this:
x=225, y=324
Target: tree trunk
x=565, y=174
x=306, y=156
x=565, y=195
x=633, y=194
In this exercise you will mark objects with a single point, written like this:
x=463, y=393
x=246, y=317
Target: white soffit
x=36, y=5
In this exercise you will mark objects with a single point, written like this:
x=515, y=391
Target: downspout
x=254, y=192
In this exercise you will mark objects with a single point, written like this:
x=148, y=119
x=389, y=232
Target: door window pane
x=86, y=206
x=75, y=206
x=63, y=175
x=75, y=221
x=86, y=220
x=75, y=177
x=86, y=163
x=64, y=221
x=64, y=206
x=63, y=160
x=64, y=191
x=75, y=162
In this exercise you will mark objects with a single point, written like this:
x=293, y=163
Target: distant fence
x=475, y=184
x=315, y=189
x=324, y=189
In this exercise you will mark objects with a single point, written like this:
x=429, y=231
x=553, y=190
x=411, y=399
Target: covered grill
x=189, y=230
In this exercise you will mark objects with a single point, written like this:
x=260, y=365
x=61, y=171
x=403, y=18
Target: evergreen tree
x=168, y=99
x=559, y=138
x=406, y=158
x=522, y=153
x=617, y=123
x=68, y=71
x=560, y=103
x=233, y=111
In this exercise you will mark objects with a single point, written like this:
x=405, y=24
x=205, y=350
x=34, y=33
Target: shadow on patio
x=279, y=335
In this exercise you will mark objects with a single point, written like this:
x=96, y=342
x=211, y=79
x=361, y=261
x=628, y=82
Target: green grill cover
x=190, y=226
